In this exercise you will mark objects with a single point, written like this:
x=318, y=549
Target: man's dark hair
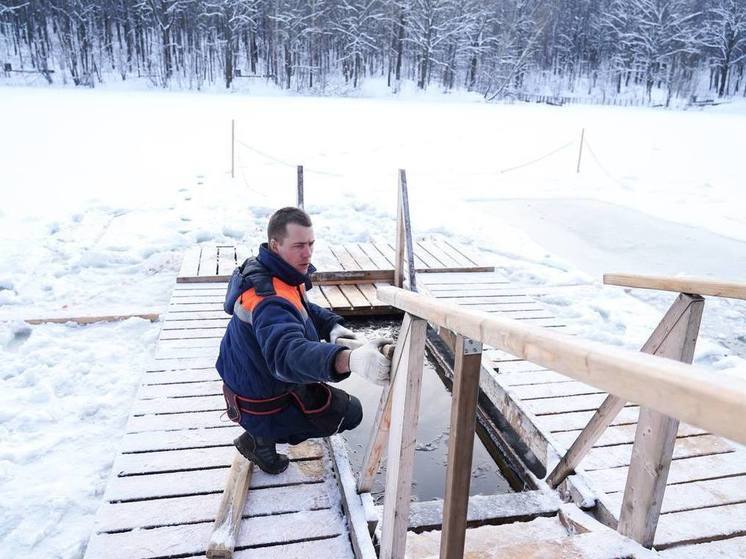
x=277, y=228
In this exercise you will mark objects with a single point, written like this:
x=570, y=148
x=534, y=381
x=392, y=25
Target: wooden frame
x=467, y=366
x=665, y=341
x=405, y=404
x=674, y=389
x=700, y=286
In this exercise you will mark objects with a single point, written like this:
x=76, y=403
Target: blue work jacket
x=272, y=343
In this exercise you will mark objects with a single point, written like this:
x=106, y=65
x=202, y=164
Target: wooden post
x=612, y=405
x=382, y=421
x=233, y=148
x=404, y=237
x=468, y=363
x=405, y=406
x=655, y=437
x=300, y=187
x=228, y=518
x=580, y=150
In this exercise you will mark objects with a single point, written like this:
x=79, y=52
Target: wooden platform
x=705, y=499
x=369, y=262
x=167, y=482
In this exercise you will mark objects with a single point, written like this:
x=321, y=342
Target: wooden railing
x=669, y=390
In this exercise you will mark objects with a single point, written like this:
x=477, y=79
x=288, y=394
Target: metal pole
x=580, y=151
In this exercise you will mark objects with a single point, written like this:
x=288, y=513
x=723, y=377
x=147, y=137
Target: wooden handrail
x=686, y=392
x=698, y=286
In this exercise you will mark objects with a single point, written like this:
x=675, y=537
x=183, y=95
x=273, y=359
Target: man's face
x=296, y=248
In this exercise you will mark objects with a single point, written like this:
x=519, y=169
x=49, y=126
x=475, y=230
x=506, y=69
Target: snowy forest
x=605, y=49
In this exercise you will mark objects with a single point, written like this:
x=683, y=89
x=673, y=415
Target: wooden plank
x=656, y=435
x=405, y=401
x=572, y=421
x=198, y=287
x=369, y=292
x=468, y=362
x=619, y=455
x=186, y=342
x=190, y=262
x=181, y=310
x=463, y=251
x=354, y=296
x=189, y=539
x=191, y=482
x=207, y=353
x=192, y=334
x=714, y=523
x=181, y=439
x=553, y=390
x=345, y=260
x=428, y=259
x=180, y=363
x=363, y=260
x=385, y=250
x=493, y=509
x=381, y=262
x=335, y=297
x=674, y=389
x=700, y=286
x=194, y=315
x=444, y=278
x=336, y=546
x=460, y=260
x=208, y=264
x=228, y=518
x=684, y=470
x=497, y=299
x=226, y=260
x=201, y=508
x=180, y=376
x=352, y=504
x=66, y=316
x=316, y=296
x=446, y=260
x=175, y=421
x=546, y=406
x=618, y=434
x=520, y=379
x=188, y=299
x=207, y=388
x=176, y=405
x=723, y=549
x=697, y=495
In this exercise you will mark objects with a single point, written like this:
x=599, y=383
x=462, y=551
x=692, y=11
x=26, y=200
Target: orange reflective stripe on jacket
x=249, y=299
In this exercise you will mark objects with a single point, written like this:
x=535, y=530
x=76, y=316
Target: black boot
x=262, y=453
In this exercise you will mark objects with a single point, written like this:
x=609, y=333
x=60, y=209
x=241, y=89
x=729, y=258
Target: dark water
x=432, y=430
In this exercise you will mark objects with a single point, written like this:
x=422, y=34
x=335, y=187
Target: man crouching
x=273, y=365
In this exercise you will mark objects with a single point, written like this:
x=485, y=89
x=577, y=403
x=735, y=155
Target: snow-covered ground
x=102, y=190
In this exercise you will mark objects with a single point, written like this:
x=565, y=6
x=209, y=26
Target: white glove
x=368, y=361
x=339, y=331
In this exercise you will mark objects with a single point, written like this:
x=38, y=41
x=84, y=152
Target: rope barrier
x=527, y=163
x=600, y=165
x=286, y=163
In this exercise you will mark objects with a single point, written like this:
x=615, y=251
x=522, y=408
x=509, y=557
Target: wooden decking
x=166, y=483
x=705, y=499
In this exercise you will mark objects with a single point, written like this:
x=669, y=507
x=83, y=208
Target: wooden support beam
x=405, y=406
x=468, y=363
x=611, y=407
x=404, y=237
x=676, y=389
x=362, y=545
x=60, y=318
x=382, y=421
x=228, y=518
x=701, y=286
x=655, y=438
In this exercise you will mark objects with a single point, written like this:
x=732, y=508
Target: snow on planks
x=344, y=262
x=167, y=482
